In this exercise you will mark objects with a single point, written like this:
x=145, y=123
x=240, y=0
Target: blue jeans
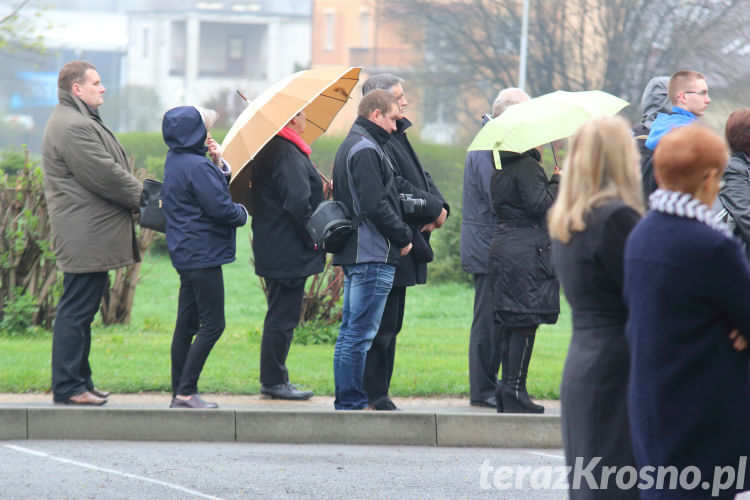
x=366, y=288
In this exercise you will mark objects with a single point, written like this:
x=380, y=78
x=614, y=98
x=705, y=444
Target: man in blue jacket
x=201, y=220
x=688, y=93
x=364, y=182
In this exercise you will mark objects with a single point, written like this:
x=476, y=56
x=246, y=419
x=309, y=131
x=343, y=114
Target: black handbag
x=330, y=226
x=151, y=213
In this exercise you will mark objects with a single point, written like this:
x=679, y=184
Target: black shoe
x=285, y=391
x=490, y=402
x=195, y=401
x=384, y=404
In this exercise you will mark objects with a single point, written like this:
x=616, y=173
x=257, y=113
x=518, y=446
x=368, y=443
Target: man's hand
x=406, y=249
x=557, y=170
x=214, y=150
x=441, y=218
x=739, y=342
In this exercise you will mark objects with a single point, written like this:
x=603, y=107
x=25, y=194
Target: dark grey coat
x=735, y=196
x=91, y=193
x=479, y=219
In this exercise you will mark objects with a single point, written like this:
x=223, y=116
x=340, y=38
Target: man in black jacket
x=363, y=179
x=412, y=268
x=286, y=190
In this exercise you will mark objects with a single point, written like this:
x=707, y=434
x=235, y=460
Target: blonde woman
x=599, y=202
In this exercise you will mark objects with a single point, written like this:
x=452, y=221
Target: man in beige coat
x=91, y=195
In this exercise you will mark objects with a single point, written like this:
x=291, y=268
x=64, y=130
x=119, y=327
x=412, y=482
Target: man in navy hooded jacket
x=201, y=220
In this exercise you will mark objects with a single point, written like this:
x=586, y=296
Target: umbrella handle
x=242, y=96
x=554, y=155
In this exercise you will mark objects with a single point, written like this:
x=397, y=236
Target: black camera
x=411, y=205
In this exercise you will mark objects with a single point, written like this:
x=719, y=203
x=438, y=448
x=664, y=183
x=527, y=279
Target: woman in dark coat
x=525, y=291
x=589, y=224
x=287, y=187
x=735, y=193
x=201, y=220
x=687, y=286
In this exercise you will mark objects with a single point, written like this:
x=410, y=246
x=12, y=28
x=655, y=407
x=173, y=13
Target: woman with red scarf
x=286, y=189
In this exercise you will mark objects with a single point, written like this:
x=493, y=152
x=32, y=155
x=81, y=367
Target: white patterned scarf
x=685, y=206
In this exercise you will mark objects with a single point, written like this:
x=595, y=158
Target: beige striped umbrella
x=320, y=92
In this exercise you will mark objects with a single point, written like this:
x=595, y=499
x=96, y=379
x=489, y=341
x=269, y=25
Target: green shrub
x=18, y=313
x=11, y=162
x=316, y=333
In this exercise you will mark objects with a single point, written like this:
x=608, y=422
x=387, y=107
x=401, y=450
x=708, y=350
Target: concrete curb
x=283, y=426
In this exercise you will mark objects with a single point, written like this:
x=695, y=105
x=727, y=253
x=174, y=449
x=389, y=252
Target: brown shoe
x=100, y=393
x=85, y=398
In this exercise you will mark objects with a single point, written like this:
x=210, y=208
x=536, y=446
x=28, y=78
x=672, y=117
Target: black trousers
x=71, y=337
x=284, y=310
x=382, y=354
x=484, y=342
x=200, y=323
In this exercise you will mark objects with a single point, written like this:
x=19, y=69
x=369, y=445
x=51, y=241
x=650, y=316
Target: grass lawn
x=431, y=358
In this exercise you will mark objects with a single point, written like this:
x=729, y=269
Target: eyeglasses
x=702, y=93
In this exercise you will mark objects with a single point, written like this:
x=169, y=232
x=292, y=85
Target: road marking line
x=549, y=455
x=110, y=471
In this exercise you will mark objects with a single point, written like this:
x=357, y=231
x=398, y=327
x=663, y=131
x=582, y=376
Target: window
x=364, y=22
x=145, y=43
x=236, y=55
x=330, y=30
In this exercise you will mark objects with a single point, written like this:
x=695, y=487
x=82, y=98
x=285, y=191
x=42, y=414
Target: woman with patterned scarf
x=687, y=284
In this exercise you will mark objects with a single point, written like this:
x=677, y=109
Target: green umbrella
x=544, y=119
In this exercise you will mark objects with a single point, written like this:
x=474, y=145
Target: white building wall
x=274, y=45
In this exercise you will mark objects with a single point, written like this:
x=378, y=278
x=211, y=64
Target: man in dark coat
x=91, y=195
x=655, y=100
x=478, y=226
x=364, y=180
x=412, y=269
x=286, y=189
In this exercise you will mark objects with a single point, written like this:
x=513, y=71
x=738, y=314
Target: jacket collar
x=69, y=99
x=685, y=206
x=373, y=130
x=682, y=111
x=402, y=124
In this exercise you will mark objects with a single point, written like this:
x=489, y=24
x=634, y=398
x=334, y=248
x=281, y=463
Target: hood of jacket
x=184, y=131
x=666, y=122
x=510, y=156
x=655, y=99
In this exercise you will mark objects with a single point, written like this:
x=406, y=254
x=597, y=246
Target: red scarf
x=294, y=137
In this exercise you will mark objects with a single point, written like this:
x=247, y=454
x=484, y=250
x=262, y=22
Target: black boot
x=513, y=395
x=503, y=340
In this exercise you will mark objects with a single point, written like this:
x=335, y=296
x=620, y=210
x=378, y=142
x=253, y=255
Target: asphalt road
x=151, y=470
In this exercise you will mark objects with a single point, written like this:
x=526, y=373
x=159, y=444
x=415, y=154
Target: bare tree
x=19, y=31
x=471, y=47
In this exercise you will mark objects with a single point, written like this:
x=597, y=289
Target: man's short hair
x=382, y=81
x=737, y=130
x=679, y=80
x=685, y=156
x=377, y=99
x=73, y=72
x=506, y=98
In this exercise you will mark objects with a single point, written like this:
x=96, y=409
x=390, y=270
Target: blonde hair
x=602, y=163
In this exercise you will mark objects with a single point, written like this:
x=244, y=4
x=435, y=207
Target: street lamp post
x=524, y=46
